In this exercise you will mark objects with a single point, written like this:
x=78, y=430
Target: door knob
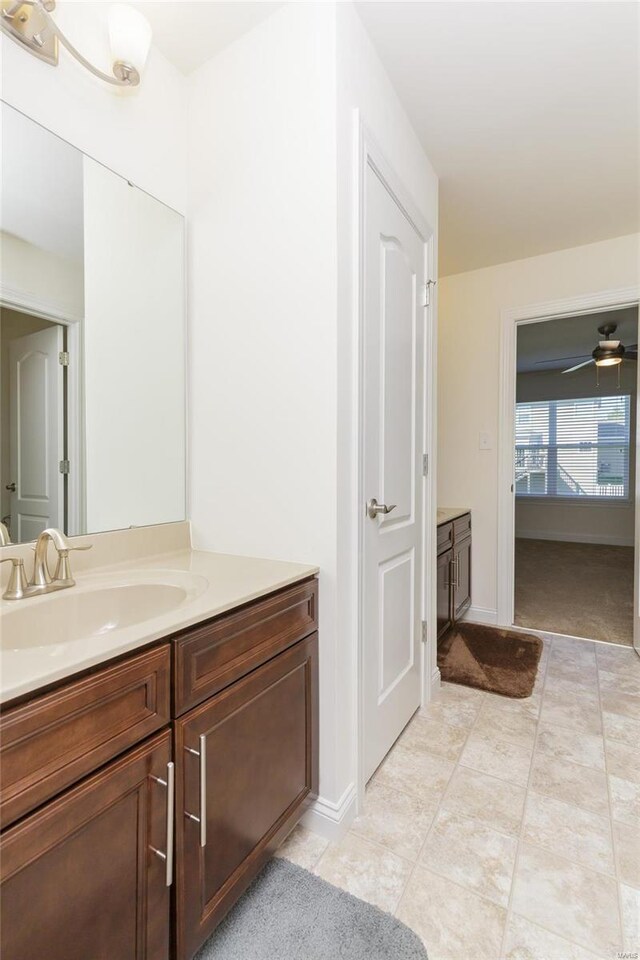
x=11, y=487
x=374, y=508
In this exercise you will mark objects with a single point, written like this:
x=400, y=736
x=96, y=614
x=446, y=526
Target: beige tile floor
x=508, y=829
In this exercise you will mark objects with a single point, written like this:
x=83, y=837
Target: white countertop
x=219, y=582
x=445, y=514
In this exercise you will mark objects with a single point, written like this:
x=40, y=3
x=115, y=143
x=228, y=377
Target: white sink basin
x=94, y=609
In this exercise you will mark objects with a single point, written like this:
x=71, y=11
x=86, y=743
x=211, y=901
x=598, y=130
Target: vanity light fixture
x=29, y=23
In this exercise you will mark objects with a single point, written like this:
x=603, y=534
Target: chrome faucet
x=41, y=580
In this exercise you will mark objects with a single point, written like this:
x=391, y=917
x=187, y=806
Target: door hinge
x=63, y=358
x=427, y=292
x=425, y=464
x=425, y=631
x=65, y=466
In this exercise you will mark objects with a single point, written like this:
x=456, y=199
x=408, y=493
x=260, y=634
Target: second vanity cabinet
x=453, y=585
x=140, y=800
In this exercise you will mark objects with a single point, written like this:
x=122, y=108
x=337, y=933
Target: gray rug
x=289, y=914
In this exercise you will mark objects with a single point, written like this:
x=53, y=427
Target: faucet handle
x=17, y=586
x=62, y=573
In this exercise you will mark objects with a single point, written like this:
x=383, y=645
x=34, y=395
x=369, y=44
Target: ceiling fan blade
x=577, y=356
x=630, y=355
x=578, y=366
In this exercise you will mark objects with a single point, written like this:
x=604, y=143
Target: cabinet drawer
x=55, y=739
x=212, y=656
x=445, y=537
x=462, y=527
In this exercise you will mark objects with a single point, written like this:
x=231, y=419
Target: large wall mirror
x=92, y=343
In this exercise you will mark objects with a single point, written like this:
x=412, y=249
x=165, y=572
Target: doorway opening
x=574, y=474
x=34, y=424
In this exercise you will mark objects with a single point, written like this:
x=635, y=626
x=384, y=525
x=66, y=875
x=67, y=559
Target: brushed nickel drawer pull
x=202, y=819
x=167, y=857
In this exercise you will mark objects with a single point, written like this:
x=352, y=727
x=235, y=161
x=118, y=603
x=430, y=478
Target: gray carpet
x=289, y=914
x=581, y=589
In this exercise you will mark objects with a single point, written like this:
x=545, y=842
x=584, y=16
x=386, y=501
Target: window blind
x=573, y=448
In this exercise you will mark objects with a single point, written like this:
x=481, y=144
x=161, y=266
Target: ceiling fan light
x=606, y=355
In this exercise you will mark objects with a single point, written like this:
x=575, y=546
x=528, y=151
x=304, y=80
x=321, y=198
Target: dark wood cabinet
x=52, y=740
x=247, y=766
x=79, y=877
x=443, y=592
x=461, y=595
x=214, y=654
x=453, y=589
x=84, y=872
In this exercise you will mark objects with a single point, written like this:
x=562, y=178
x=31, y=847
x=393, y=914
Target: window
x=573, y=448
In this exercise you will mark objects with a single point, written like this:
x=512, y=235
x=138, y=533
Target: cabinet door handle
x=169, y=783
x=203, y=790
x=202, y=819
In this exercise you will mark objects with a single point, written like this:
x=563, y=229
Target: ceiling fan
x=608, y=353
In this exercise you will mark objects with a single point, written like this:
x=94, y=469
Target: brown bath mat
x=499, y=661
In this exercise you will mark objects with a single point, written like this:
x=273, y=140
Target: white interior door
x=36, y=440
x=394, y=322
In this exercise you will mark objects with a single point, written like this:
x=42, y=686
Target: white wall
x=272, y=190
x=139, y=133
x=134, y=353
x=610, y=522
x=40, y=277
x=262, y=289
x=470, y=308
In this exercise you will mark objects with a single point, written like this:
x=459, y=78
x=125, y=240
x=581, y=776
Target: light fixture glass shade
x=609, y=362
x=129, y=36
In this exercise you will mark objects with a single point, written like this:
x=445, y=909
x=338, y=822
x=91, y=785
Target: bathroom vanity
x=141, y=795
x=453, y=566
x=158, y=730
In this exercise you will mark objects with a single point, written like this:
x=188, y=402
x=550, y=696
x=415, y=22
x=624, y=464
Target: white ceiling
x=529, y=111
x=190, y=32
x=558, y=344
x=529, y=114
x=41, y=187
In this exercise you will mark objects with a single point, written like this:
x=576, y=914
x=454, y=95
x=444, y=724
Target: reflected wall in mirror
x=92, y=343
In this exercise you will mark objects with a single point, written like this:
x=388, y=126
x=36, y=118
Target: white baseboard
x=576, y=538
x=331, y=820
x=482, y=615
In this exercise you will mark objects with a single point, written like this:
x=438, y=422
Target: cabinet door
x=246, y=770
x=443, y=592
x=80, y=878
x=462, y=578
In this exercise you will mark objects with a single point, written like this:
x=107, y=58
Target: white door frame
x=23, y=303
x=370, y=154
x=600, y=301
